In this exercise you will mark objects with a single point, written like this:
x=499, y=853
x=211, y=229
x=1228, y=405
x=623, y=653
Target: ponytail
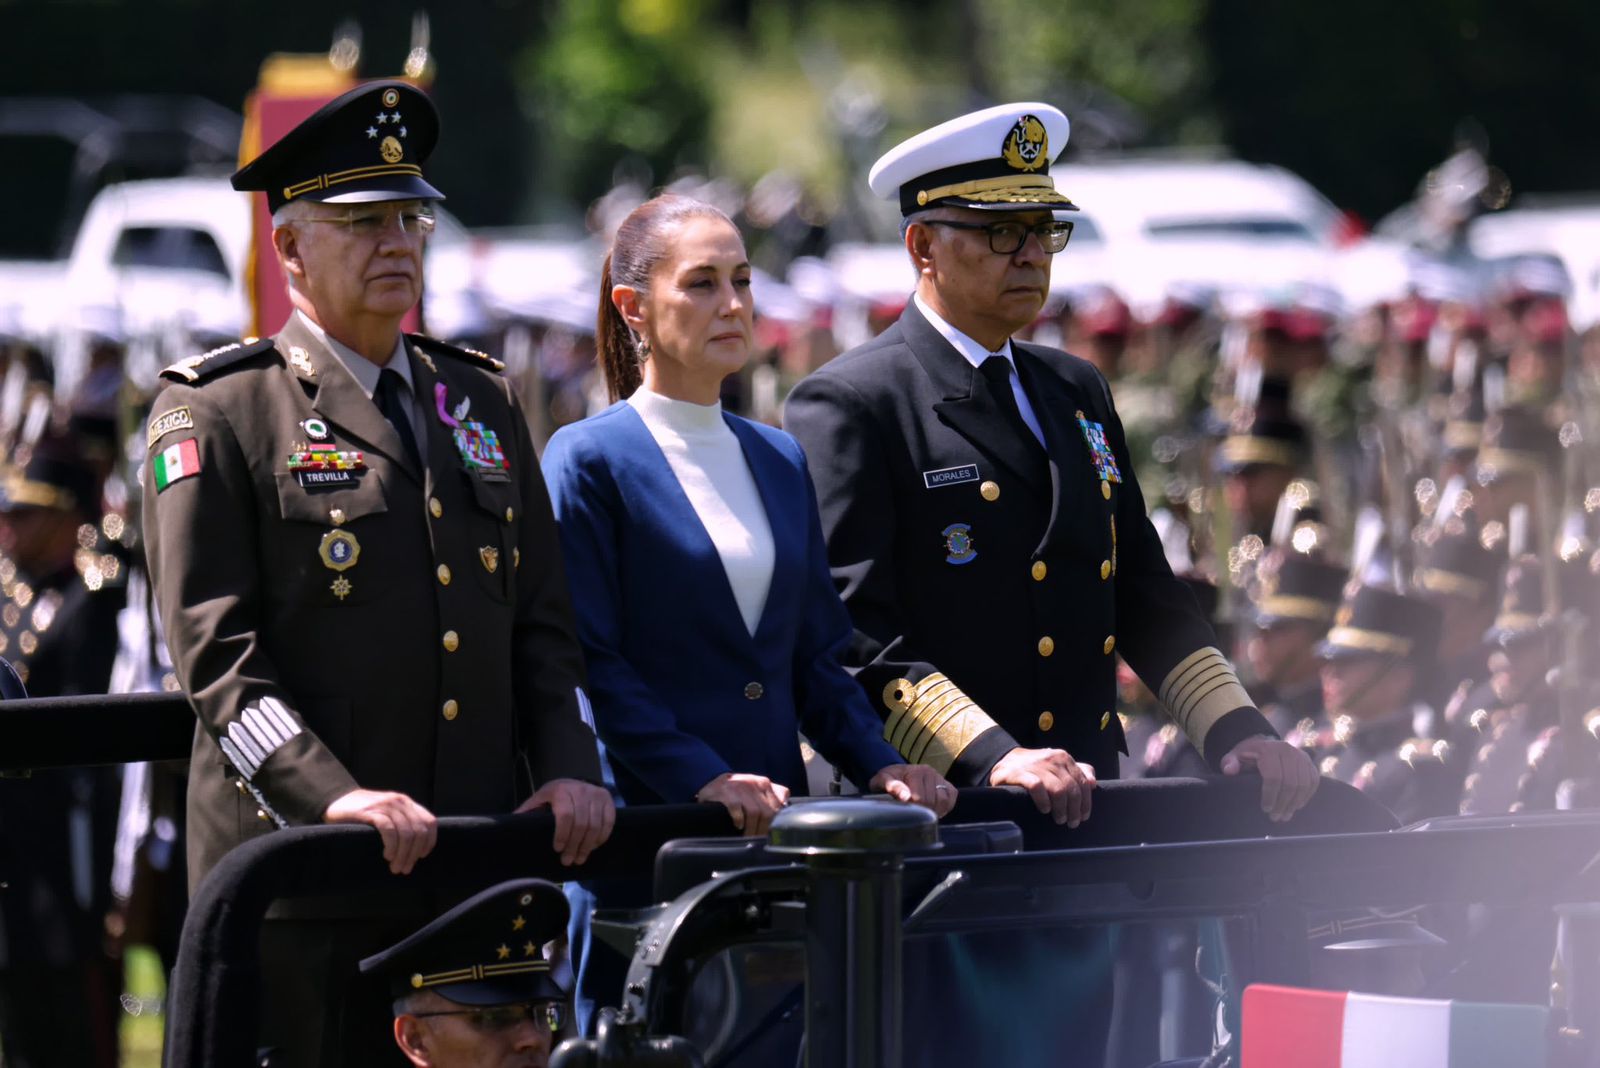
x=640, y=244
x=616, y=349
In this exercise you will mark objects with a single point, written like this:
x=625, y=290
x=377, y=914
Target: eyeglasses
x=1005, y=238
x=546, y=1015
x=416, y=222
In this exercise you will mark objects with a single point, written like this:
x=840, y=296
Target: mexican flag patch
x=176, y=462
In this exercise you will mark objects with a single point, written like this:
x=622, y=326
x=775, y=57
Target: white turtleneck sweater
x=706, y=457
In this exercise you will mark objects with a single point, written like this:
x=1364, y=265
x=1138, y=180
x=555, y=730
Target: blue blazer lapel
x=659, y=490
x=783, y=490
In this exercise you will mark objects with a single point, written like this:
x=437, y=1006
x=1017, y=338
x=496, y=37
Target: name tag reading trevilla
x=323, y=465
x=950, y=476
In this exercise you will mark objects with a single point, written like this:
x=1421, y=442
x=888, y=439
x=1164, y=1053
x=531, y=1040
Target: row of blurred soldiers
x=1410, y=539
x=91, y=858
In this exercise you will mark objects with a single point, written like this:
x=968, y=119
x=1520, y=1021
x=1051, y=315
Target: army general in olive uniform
x=351, y=545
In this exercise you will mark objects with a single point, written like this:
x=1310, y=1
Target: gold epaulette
x=194, y=368
x=472, y=356
x=931, y=721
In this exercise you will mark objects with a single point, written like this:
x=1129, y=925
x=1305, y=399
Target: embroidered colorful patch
x=958, y=544
x=478, y=445
x=176, y=462
x=1105, y=462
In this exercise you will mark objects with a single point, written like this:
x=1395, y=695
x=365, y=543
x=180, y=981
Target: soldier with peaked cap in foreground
x=356, y=566
x=474, y=987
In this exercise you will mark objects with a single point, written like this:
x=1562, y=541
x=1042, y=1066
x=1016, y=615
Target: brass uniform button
x=1105, y=570
x=444, y=574
x=451, y=641
x=1047, y=645
x=1111, y=643
x=435, y=509
x=1039, y=571
x=754, y=690
x=451, y=709
x=990, y=491
x=337, y=517
x=261, y=814
x=1105, y=720
x=1105, y=489
x=1046, y=721
x=510, y=515
x=240, y=784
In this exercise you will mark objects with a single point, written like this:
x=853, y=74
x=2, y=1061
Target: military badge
x=478, y=446
x=958, y=544
x=167, y=422
x=1105, y=461
x=339, y=550
x=1027, y=145
x=316, y=429
x=490, y=557
x=300, y=360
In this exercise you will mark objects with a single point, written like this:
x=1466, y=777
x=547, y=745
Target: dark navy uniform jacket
x=991, y=581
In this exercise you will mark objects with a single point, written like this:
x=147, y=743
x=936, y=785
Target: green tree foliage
x=1148, y=54
x=619, y=82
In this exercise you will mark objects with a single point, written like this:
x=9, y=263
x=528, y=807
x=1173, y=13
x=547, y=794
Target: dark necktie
x=997, y=369
x=392, y=397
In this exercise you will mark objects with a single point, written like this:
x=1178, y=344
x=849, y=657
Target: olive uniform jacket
x=990, y=580
x=376, y=626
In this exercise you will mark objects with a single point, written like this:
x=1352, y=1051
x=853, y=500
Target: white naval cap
x=998, y=158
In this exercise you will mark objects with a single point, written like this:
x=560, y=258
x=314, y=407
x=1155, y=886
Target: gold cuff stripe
x=973, y=190
x=1516, y=621
x=937, y=721
x=323, y=181
x=903, y=723
x=954, y=737
x=1188, y=668
x=1369, y=641
x=932, y=721
x=910, y=727
x=1297, y=608
x=478, y=971
x=1200, y=691
x=1436, y=581
x=1252, y=450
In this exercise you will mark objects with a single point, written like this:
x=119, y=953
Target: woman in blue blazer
x=694, y=551
x=698, y=571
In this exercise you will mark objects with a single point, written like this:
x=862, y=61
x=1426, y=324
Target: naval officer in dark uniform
x=983, y=521
x=353, y=553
